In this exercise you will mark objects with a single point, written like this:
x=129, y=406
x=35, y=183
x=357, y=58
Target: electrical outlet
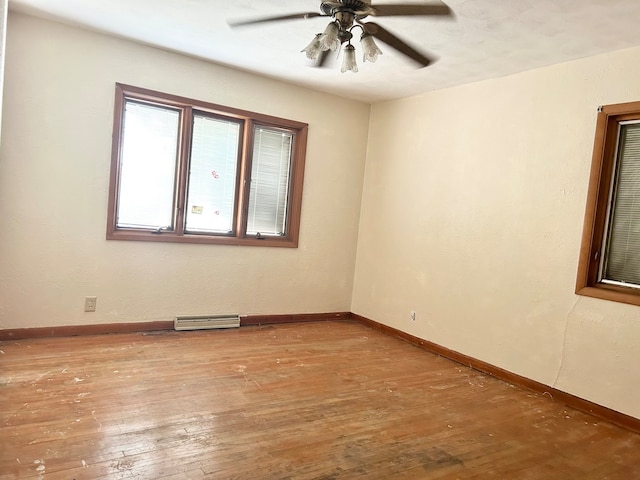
x=412, y=316
x=90, y=304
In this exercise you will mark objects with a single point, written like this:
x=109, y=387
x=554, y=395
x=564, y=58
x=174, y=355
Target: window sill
x=202, y=239
x=612, y=293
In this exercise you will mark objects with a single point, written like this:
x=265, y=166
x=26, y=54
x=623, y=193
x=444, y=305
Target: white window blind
x=212, y=175
x=148, y=166
x=622, y=258
x=270, y=173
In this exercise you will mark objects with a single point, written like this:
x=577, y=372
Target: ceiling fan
x=346, y=16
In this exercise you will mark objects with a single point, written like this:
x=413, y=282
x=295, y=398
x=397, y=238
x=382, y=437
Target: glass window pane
x=148, y=166
x=623, y=253
x=270, y=171
x=212, y=175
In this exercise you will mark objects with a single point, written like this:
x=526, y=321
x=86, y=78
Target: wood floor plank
x=327, y=400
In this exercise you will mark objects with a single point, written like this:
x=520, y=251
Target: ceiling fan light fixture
x=369, y=48
x=313, y=49
x=329, y=39
x=349, y=59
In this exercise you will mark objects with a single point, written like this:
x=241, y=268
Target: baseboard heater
x=205, y=322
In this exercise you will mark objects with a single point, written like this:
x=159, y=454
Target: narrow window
x=213, y=170
x=190, y=171
x=621, y=261
x=148, y=163
x=610, y=256
x=269, y=192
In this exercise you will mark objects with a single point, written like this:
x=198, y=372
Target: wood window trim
x=600, y=184
x=249, y=119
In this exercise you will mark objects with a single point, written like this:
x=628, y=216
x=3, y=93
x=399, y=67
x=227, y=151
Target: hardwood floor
x=326, y=400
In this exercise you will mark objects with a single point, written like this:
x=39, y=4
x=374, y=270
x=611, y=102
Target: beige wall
x=4, y=5
x=54, y=167
x=472, y=216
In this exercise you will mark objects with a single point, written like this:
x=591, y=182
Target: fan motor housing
x=355, y=7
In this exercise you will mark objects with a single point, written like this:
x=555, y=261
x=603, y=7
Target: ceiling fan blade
x=293, y=16
x=390, y=39
x=393, y=10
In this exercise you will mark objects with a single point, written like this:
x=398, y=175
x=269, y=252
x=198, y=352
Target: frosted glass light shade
x=349, y=60
x=329, y=38
x=313, y=49
x=369, y=48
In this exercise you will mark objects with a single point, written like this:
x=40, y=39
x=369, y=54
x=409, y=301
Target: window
x=190, y=171
x=609, y=265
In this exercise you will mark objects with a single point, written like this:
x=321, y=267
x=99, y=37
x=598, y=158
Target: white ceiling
x=488, y=38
